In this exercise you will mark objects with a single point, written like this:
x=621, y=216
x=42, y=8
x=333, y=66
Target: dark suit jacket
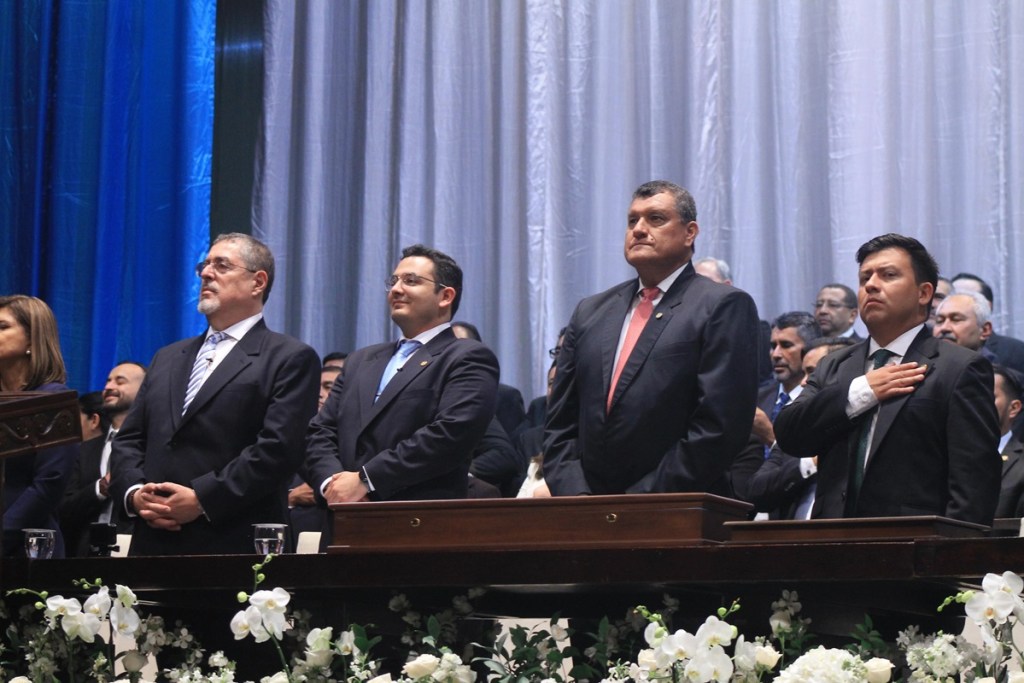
x=80, y=506
x=777, y=486
x=416, y=441
x=536, y=415
x=32, y=488
x=1011, y=492
x=772, y=484
x=509, y=409
x=683, y=406
x=1009, y=351
x=934, y=451
x=237, y=445
x=497, y=461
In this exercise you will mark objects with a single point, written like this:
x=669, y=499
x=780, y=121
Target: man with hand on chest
x=903, y=423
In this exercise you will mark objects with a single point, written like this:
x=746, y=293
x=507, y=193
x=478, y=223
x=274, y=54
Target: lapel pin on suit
x=424, y=363
x=658, y=315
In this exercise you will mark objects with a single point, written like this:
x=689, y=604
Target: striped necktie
x=202, y=365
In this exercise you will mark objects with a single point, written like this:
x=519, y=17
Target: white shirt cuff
x=860, y=398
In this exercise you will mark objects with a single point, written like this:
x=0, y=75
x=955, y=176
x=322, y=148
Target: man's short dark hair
x=685, y=206
x=257, y=256
x=470, y=329
x=833, y=343
x=92, y=404
x=986, y=289
x=334, y=355
x=446, y=271
x=925, y=268
x=849, y=296
x=1013, y=383
x=806, y=326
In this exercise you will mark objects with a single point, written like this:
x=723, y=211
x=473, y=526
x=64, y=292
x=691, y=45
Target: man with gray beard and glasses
x=217, y=428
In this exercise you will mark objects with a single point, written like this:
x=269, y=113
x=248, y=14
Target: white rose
x=383, y=678
x=319, y=658
x=766, y=656
x=133, y=661
x=319, y=638
x=20, y=679
x=421, y=667
x=879, y=670
x=987, y=679
x=279, y=677
x=1015, y=677
x=780, y=621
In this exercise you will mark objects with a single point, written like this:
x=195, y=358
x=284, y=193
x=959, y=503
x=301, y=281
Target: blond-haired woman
x=30, y=360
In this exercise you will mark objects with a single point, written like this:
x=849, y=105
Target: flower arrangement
x=57, y=639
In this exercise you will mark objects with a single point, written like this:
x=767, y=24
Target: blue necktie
x=406, y=348
x=776, y=409
x=203, y=361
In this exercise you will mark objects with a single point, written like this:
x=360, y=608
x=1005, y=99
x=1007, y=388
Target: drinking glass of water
x=39, y=543
x=269, y=538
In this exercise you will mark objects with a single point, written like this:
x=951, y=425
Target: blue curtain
x=106, y=127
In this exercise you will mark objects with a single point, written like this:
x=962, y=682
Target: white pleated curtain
x=511, y=134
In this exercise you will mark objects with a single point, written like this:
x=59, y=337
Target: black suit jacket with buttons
x=416, y=441
x=934, y=451
x=684, y=404
x=237, y=445
x=1011, y=492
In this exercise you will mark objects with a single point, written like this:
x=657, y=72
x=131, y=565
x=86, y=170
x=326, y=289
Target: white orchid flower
x=59, y=606
x=271, y=601
x=678, y=647
x=699, y=669
x=99, y=603
x=346, y=643
x=720, y=663
x=81, y=625
x=125, y=620
x=125, y=595
x=714, y=631
x=995, y=606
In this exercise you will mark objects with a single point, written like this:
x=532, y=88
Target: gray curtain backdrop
x=511, y=134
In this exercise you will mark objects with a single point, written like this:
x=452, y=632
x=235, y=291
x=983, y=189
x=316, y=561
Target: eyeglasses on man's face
x=834, y=305
x=555, y=351
x=220, y=265
x=409, y=280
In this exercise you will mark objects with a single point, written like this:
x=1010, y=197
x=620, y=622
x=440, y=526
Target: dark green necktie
x=879, y=358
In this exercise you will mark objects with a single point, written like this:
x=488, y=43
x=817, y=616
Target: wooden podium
x=633, y=521
x=30, y=420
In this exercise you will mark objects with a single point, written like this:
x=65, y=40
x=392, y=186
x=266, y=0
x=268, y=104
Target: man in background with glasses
x=402, y=420
x=835, y=309
x=217, y=428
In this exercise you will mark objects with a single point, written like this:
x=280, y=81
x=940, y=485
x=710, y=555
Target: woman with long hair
x=30, y=360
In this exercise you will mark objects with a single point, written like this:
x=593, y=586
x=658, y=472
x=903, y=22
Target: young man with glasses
x=403, y=419
x=217, y=428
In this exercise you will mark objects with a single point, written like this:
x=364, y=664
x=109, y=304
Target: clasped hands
x=166, y=505
x=346, y=487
